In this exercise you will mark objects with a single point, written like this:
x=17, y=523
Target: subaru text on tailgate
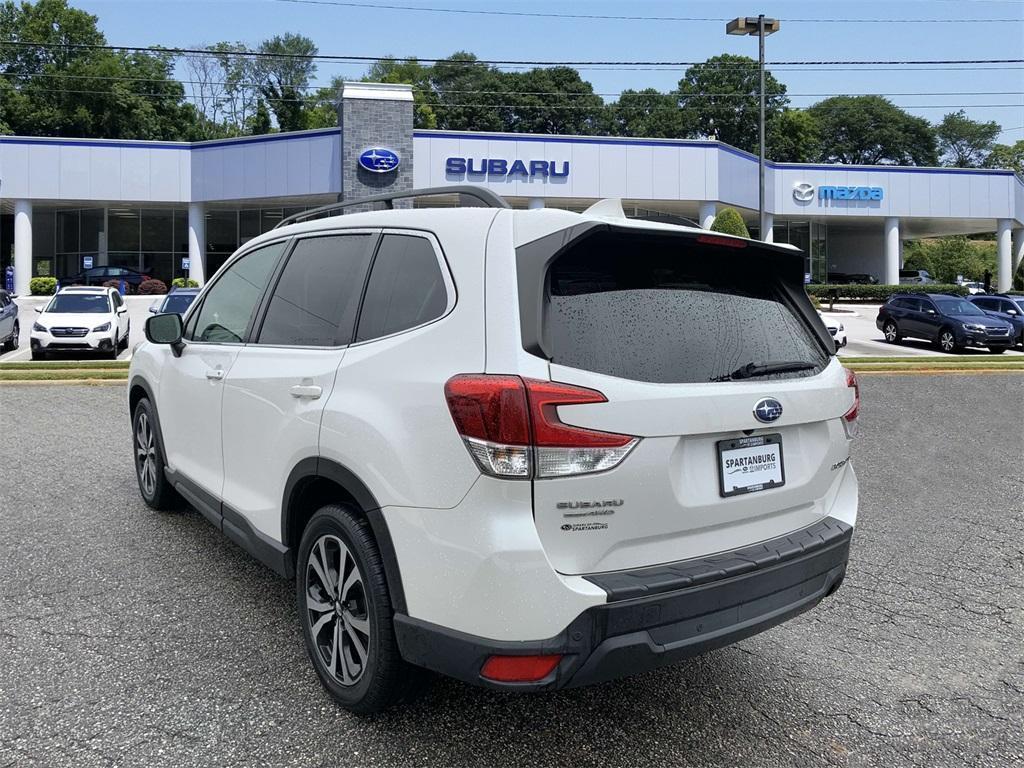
x=526, y=449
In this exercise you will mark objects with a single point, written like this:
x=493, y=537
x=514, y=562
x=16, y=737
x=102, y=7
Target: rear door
x=657, y=324
x=275, y=392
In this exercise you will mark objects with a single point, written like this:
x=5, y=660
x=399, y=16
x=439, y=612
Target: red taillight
x=512, y=429
x=851, y=381
x=728, y=242
x=491, y=408
x=519, y=669
x=548, y=429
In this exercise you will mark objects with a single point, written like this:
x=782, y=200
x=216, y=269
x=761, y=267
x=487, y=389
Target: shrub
x=113, y=284
x=880, y=292
x=184, y=282
x=152, y=287
x=729, y=222
x=42, y=286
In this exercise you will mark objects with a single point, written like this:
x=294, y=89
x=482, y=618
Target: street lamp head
x=747, y=25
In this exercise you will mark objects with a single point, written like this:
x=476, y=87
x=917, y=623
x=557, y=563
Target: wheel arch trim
x=318, y=467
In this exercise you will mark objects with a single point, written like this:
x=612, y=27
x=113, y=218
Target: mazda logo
x=767, y=410
x=803, y=192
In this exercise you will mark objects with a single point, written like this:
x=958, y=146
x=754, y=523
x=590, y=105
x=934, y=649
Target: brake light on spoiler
x=511, y=427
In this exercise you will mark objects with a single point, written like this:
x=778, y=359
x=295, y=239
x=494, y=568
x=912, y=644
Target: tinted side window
x=229, y=304
x=315, y=301
x=406, y=288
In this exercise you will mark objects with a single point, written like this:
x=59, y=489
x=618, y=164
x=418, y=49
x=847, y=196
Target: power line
x=568, y=94
x=601, y=17
x=487, y=105
x=475, y=62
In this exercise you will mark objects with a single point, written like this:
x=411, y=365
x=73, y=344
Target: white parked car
x=81, y=319
x=974, y=288
x=835, y=328
x=529, y=449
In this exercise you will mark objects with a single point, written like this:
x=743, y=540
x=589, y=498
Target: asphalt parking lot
x=130, y=637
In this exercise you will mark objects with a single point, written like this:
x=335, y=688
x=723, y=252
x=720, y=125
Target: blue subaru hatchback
x=1009, y=309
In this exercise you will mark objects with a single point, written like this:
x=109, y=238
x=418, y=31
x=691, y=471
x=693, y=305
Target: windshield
x=177, y=304
x=79, y=304
x=662, y=311
x=957, y=307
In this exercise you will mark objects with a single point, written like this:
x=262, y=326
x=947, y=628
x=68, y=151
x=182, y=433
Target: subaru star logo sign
x=767, y=410
x=379, y=159
x=803, y=192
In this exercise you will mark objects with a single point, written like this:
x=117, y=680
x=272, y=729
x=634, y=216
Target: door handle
x=311, y=391
x=216, y=374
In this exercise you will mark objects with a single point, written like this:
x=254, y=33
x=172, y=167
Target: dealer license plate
x=750, y=464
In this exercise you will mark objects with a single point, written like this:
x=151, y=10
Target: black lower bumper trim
x=633, y=635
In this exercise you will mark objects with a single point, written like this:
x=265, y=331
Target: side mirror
x=153, y=308
x=931, y=311
x=122, y=309
x=165, y=329
x=1012, y=312
x=39, y=310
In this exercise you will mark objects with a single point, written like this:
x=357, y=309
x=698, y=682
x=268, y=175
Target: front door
x=192, y=385
x=274, y=394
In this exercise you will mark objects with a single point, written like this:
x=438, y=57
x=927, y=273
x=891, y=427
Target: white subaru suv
x=529, y=449
x=81, y=319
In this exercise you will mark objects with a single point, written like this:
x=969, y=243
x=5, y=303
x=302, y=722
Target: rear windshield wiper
x=750, y=370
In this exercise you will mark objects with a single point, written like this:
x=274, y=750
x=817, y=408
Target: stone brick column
x=375, y=115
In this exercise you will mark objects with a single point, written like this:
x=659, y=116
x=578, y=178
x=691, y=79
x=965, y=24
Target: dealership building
x=175, y=209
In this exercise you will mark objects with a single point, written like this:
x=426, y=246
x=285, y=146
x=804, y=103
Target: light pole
x=762, y=27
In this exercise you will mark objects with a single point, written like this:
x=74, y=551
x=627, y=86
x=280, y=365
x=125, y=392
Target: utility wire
x=339, y=57
x=568, y=94
x=601, y=17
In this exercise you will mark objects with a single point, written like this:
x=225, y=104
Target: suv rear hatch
x=693, y=341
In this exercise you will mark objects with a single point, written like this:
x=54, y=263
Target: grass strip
x=986, y=366
x=57, y=365
x=62, y=375
x=932, y=359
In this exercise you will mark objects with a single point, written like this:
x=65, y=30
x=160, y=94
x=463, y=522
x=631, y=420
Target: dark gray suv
x=950, y=322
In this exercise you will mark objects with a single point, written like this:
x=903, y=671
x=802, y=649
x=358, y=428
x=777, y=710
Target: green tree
x=552, y=100
x=470, y=96
x=793, y=137
x=259, y=122
x=391, y=70
x=949, y=257
x=729, y=222
x=720, y=99
x=75, y=91
x=285, y=71
x=1007, y=156
x=872, y=130
x=649, y=113
x=965, y=143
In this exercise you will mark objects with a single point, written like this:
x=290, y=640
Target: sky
x=810, y=31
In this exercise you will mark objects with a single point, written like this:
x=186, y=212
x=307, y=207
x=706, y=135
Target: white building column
x=892, y=251
x=1016, y=250
x=768, y=236
x=197, y=242
x=535, y=203
x=22, y=246
x=706, y=217
x=1005, y=277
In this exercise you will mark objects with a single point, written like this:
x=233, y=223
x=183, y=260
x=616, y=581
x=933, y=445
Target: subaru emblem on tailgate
x=767, y=410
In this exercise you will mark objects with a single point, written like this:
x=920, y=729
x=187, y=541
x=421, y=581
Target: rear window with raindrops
x=668, y=310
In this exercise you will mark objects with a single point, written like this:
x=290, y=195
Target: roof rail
x=485, y=196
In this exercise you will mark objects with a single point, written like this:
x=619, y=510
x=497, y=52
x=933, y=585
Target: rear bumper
x=658, y=616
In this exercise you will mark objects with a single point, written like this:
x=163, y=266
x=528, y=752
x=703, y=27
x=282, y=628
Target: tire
x=947, y=342
x=891, y=332
x=997, y=350
x=361, y=668
x=38, y=354
x=12, y=343
x=154, y=486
